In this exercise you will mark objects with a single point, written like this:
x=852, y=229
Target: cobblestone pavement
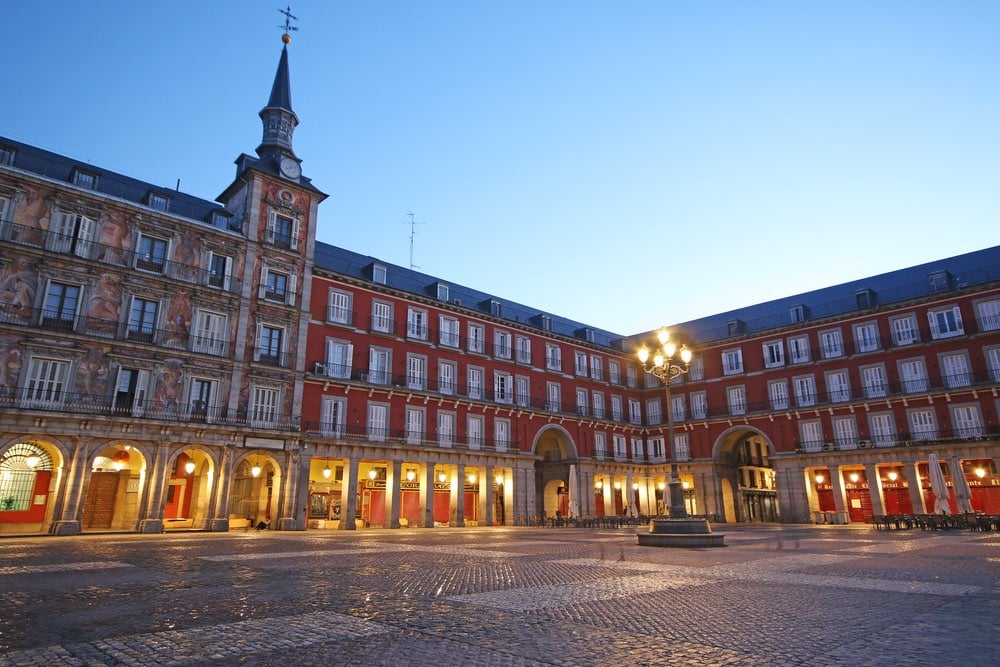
x=788, y=595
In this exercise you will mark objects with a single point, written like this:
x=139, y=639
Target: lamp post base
x=680, y=533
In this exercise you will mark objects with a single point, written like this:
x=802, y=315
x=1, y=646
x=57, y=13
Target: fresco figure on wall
x=178, y=320
x=116, y=239
x=18, y=285
x=92, y=376
x=105, y=305
x=167, y=399
x=10, y=365
x=32, y=217
x=186, y=256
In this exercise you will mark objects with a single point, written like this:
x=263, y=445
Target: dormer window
x=798, y=313
x=442, y=292
x=546, y=322
x=219, y=219
x=6, y=156
x=84, y=179
x=379, y=274
x=940, y=281
x=159, y=202
x=734, y=327
x=864, y=299
x=495, y=308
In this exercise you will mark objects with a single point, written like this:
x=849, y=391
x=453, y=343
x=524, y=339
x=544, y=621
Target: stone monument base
x=680, y=533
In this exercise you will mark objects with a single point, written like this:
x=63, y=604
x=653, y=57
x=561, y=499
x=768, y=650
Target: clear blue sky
x=621, y=163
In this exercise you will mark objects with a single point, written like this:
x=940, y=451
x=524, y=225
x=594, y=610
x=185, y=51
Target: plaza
x=789, y=595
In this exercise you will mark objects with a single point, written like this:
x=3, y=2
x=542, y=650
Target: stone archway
x=742, y=460
x=188, y=496
x=556, y=451
x=29, y=477
x=256, y=492
x=114, y=488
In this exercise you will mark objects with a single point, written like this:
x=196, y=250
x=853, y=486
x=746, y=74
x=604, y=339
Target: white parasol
x=938, y=486
x=630, y=509
x=574, y=494
x=963, y=494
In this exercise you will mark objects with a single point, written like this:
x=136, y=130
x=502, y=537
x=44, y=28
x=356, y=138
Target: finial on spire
x=288, y=27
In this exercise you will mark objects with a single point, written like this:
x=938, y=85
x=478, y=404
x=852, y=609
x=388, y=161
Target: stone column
x=157, y=481
x=68, y=521
x=486, y=487
x=393, y=495
x=219, y=523
x=587, y=493
x=875, y=489
x=295, y=495
x=427, y=481
x=457, y=514
x=913, y=483
x=349, y=495
x=839, y=493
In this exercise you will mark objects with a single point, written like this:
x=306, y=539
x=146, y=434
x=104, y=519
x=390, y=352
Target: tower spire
x=278, y=118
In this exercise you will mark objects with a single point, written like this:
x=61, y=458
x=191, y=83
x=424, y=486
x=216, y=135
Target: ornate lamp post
x=665, y=368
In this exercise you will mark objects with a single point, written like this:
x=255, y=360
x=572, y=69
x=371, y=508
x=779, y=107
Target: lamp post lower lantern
x=667, y=364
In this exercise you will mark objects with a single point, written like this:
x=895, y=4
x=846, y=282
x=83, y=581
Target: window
x=637, y=449
x=378, y=422
x=946, y=322
x=774, y=354
x=904, y=330
x=379, y=363
x=416, y=324
x=338, y=307
x=220, y=271
x=988, y=313
x=580, y=363
x=618, y=442
x=922, y=426
x=45, y=387
x=159, y=202
x=495, y=308
x=732, y=361
x=805, y=391
x=630, y=377
x=414, y=425
x=416, y=372
x=811, y=433
x=475, y=377
x=282, y=231
x=522, y=391
x=503, y=387
x=270, y=340
x=968, y=423
x=152, y=254
x=130, y=391
x=883, y=429
x=596, y=368
x=873, y=381
x=798, y=349
x=866, y=337
x=476, y=337
x=582, y=402
x=264, y=407
x=71, y=233
x=634, y=411
x=838, y=386
x=201, y=400
x=696, y=370
x=546, y=322
x=676, y=405
x=84, y=179
x=736, y=397
x=955, y=368
x=553, y=400
x=447, y=376
x=600, y=444
x=7, y=155
x=381, y=316
x=699, y=405
x=501, y=434
x=277, y=286
x=379, y=274
x=443, y=292
x=993, y=363
x=778, y=393
x=597, y=400
x=61, y=303
x=864, y=299
x=446, y=428
x=448, y=335
x=798, y=313
x=475, y=428
x=656, y=452
x=616, y=409
x=142, y=319
x=845, y=433
x=831, y=344
x=501, y=344
x=682, y=447
x=914, y=375
x=523, y=344
x=553, y=357
x=220, y=219
x=614, y=372
x=331, y=416
x=339, y=354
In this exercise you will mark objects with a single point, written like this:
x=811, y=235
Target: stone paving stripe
x=369, y=548
x=270, y=555
x=224, y=641
x=61, y=567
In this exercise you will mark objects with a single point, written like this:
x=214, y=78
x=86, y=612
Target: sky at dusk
x=623, y=163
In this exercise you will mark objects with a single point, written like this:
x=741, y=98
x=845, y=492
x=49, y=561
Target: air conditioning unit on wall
x=827, y=446
x=864, y=444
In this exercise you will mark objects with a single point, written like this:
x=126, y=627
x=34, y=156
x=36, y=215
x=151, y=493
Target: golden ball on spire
x=286, y=38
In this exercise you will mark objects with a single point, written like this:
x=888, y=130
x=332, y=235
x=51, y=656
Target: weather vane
x=288, y=27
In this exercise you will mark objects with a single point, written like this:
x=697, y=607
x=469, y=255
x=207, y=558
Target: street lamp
x=664, y=366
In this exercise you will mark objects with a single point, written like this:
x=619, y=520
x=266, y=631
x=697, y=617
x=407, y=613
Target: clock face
x=289, y=168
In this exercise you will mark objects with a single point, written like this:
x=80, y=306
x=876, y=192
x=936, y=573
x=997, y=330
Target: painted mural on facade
x=18, y=286
x=32, y=216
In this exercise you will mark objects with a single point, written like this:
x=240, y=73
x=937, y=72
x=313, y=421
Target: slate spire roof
x=278, y=118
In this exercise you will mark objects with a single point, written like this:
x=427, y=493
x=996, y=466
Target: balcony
x=903, y=439
x=391, y=436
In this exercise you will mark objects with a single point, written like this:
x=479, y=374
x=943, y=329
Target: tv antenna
x=413, y=233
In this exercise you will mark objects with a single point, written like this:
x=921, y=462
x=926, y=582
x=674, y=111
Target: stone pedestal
x=151, y=526
x=288, y=523
x=680, y=533
x=219, y=525
x=65, y=528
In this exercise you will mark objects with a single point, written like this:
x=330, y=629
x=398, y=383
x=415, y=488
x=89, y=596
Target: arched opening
x=556, y=453
x=743, y=459
x=27, y=481
x=117, y=475
x=255, y=491
x=189, y=489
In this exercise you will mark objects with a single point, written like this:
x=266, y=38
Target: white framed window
x=339, y=306
x=904, y=330
x=553, y=397
x=414, y=425
x=883, y=429
x=618, y=443
x=46, y=384
x=582, y=402
x=805, y=390
x=210, y=332
x=378, y=422
x=278, y=286
x=553, y=357
x=614, y=372
x=448, y=335
x=475, y=429
x=416, y=371
x=967, y=420
x=522, y=391
x=416, y=323
x=443, y=292
x=503, y=387
x=945, y=322
x=600, y=444
x=798, y=349
x=993, y=363
x=696, y=369
x=845, y=432
x=142, y=319
x=201, y=401
x=220, y=272
x=61, y=306
x=866, y=337
x=677, y=404
x=159, y=202
x=682, y=446
x=913, y=373
x=630, y=380
x=617, y=413
x=987, y=314
x=264, y=407
x=831, y=343
x=501, y=434
x=637, y=449
x=955, y=368
x=475, y=377
x=270, y=344
x=523, y=345
x=774, y=354
x=380, y=274
x=653, y=413
x=811, y=435
x=379, y=365
x=475, y=336
x=922, y=424
x=501, y=344
x=777, y=391
x=838, y=386
x=634, y=411
x=446, y=428
x=282, y=230
x=382, y=316
x=699, y=405
x=447, y=377
x=71, y=233
x=332, y=413
x=597, y=400
x=596, y=368
x=151, y=253
x=580, y=363
x=131, y=386
x=736, y=398
x=732, y=361
x=874, y=382
x=656, y=451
